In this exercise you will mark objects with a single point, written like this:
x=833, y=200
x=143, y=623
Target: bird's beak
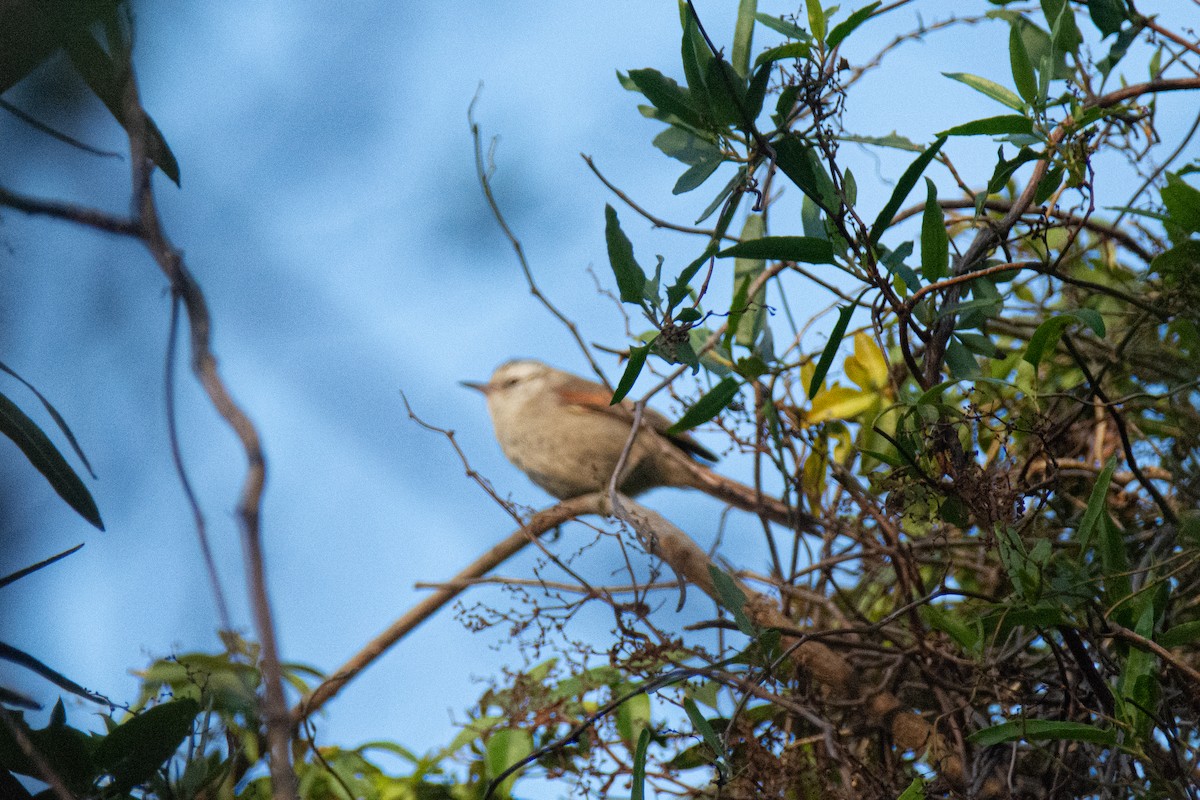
x=479, y=387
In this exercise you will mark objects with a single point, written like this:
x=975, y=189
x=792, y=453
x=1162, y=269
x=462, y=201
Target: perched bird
x=562, y=431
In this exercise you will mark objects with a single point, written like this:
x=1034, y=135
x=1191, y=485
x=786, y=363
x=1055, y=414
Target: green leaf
x=935, y=243
x=666, y=95
x=677, y=291
x=907, y=181
x=1183, y=203
x=1097, y=503
x=684, y=145
x=631, y=279
x=893, y=140
x=1107, y=15
x=1063, y=31
x=989, y=88
x=915, y=791
x=816, y=19
x=803, y=166
x=790, y=50
x=505, y=748
x=960, y=361
x=846, y=27
x=732, y=599
x=695, y=55
x=1049, y=184
x=1006, y=169
x=709, y=736
x=105, y=79
x=802, y=249
x=756, y=93
x=1034, y=730
x=695, y=176
x=633, y=718
x=637, y=358
x=992, y=126
x=726, y=93
x=1180, y=635
x=788, y=29
x=44, y=456
x=708, y=406
x=1022, y=70
x=133, y=751
x=1120, y=46
x=638, y=790
x=1047, y=334
x=737, y=180
x=58, y=418
x=831, y=348
x=743, y=36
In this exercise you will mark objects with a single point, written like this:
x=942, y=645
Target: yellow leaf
x=839, y=402
x=867, y=367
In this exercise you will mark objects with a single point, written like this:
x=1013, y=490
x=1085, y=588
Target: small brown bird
x=561, y=431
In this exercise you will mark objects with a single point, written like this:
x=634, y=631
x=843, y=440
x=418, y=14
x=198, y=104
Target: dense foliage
x=997, y=444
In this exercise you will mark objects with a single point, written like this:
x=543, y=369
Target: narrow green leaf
x=743, y=36
x=907, y=181
x=1063, y=31
x=846, y=27
x=802, y=249
x=631, y=279
x=803, y=166
x=989, y=88
x=1114, y=562
x=790, y=50
x=679, y=290
x=935, y=243
x=1022, y=70
x=830, y=351
x=638, y=790
x=992, y=126
x=695, y=176
x=695, y=55
x=58, y=418
x=892, y=140
x=706, y=732
x=756, y=92
x=708, y=406
x=1033, y=730
x=816, y=19
x=44, y=456
x=737, y=180
x=732, y=599
x=788, y=29
x=637, y=358
x=103, y=77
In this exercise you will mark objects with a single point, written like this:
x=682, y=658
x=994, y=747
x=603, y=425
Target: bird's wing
x=594, y=396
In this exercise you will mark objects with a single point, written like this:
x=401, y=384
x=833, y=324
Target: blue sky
x=330, y=211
